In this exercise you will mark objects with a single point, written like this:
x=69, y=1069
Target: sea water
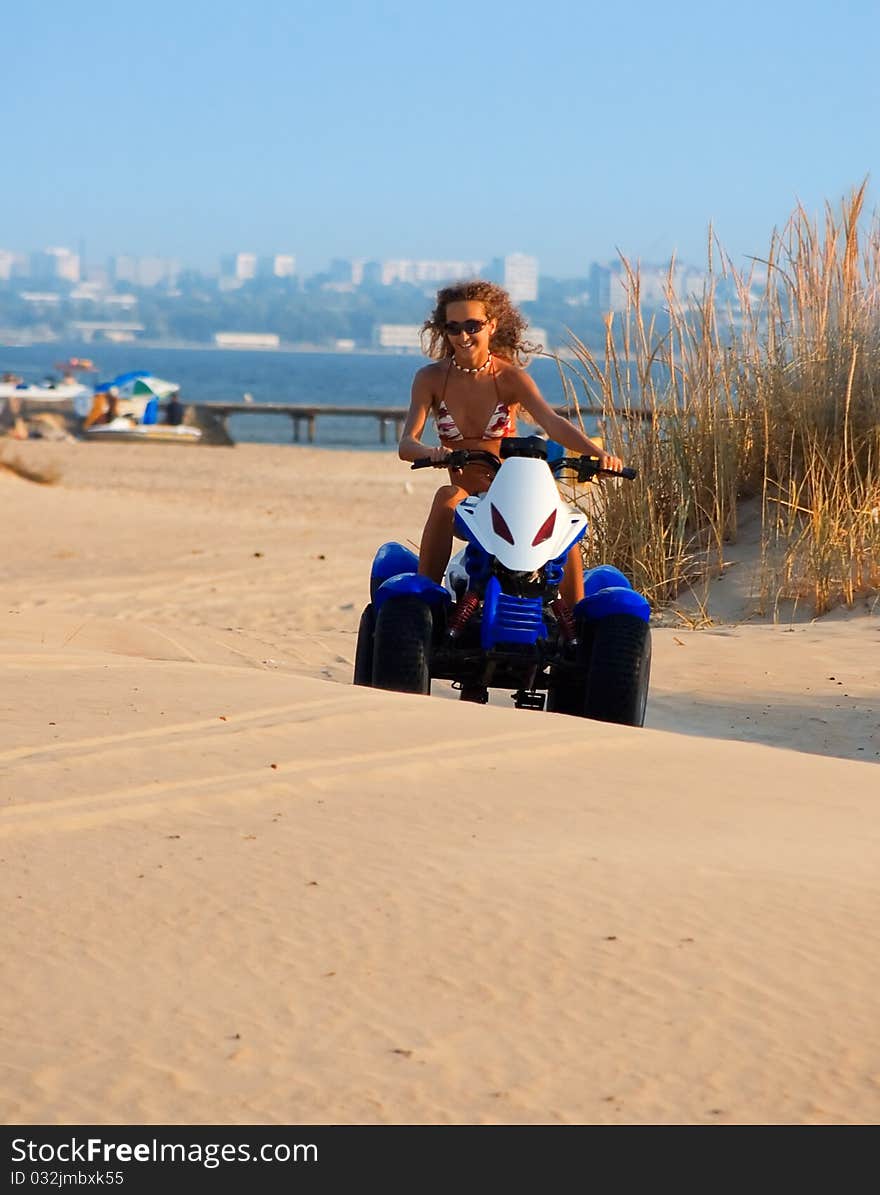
x=227, y=375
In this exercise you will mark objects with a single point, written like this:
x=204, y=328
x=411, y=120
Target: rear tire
x=363, y=655
x=620, y=670
x=402, y=646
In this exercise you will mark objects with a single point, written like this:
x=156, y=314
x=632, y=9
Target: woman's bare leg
x=436, y=545
x=571, y=589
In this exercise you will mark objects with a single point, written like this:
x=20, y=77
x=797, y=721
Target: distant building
x=246, y=340
x=279, y=265
x=87, y=292
x=521, y=277
x=53, y=264
x=7, y=264
x=371, y=273
x=152, y=271
x=340, y=276
x=114, y=330
x=145, y=271
x=599, y=286
x=43, y=298
x=656, y=286
x=416, y=272
x=340, y=271
x=240, y=267
x=122, y=301
x=402, y=337
x=348, y=272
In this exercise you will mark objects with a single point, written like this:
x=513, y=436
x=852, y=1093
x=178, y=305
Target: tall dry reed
x=765, y=385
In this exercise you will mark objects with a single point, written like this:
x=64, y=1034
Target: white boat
x=47, y=395
x=129, y=409
x=126, y=429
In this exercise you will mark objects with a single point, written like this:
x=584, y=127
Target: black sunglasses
x=471, y=326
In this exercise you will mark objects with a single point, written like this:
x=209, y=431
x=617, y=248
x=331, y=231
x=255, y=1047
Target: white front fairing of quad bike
x=524, y=502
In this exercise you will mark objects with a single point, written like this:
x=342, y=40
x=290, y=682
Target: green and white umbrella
x=144, y=385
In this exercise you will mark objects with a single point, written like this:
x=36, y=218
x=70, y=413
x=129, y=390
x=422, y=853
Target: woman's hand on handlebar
x=457, y=459
x=435, y=458
x=613, y=464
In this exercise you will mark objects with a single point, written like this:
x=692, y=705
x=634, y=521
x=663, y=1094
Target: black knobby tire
x=363, y=654
x=402, y=646
x=620, y=670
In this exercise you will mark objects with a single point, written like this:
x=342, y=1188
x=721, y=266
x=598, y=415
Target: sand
x=239, y=890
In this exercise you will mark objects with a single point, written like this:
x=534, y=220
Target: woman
x=474, y=392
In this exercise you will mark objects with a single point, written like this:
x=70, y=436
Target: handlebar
x=458, y=458
x=585, y=466
x=588, y=466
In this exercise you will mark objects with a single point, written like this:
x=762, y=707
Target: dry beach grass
x=765, y=385
x=242, y=891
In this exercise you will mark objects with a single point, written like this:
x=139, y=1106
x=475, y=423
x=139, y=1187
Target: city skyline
x=355, y=303
x=517, y=271
x=569, y=133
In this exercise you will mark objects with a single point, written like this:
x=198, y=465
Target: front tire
x=402, y=646
x=363, y=654
x=620, y=670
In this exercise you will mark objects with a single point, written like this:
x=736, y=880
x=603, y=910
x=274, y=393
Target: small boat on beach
x=128, y=409
x=124, y=428
x=49, y=394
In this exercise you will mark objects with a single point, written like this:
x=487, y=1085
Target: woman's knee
x=448, y=497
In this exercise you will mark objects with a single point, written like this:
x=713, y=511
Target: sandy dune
x=241, y=894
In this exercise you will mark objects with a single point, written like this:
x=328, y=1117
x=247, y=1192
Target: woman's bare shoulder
x=427, y=378
x=430, y=372
x=514, y=380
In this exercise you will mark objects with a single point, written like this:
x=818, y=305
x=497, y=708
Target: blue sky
x=566, y=130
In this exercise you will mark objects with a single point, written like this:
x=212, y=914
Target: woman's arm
x=557, y=428
x=410, y=447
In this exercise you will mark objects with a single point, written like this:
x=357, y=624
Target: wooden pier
x=306, y=417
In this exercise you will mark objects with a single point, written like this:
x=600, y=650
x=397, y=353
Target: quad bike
x=498, y=620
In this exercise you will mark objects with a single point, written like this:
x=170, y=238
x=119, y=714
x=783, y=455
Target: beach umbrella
x=143, y=385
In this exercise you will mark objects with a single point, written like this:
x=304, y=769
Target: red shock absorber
x=463, y=610
x=564, y=618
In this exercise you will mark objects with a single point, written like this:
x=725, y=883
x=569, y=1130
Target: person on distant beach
x=474, y=390
x=174, y=410
x=112, y=411
x=105, y=408
x=12, y=423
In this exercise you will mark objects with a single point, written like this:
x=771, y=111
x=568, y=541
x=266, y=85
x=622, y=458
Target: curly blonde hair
x=507, y=340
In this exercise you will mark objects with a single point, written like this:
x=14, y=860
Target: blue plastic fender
x=411, y=585
x=613, y=599
x=603, y=576
x=391, y=560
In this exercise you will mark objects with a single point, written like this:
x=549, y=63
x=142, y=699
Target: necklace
x=476, y=369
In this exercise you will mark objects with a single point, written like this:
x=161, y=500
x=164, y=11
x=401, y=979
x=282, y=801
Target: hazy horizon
x=333, y=130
